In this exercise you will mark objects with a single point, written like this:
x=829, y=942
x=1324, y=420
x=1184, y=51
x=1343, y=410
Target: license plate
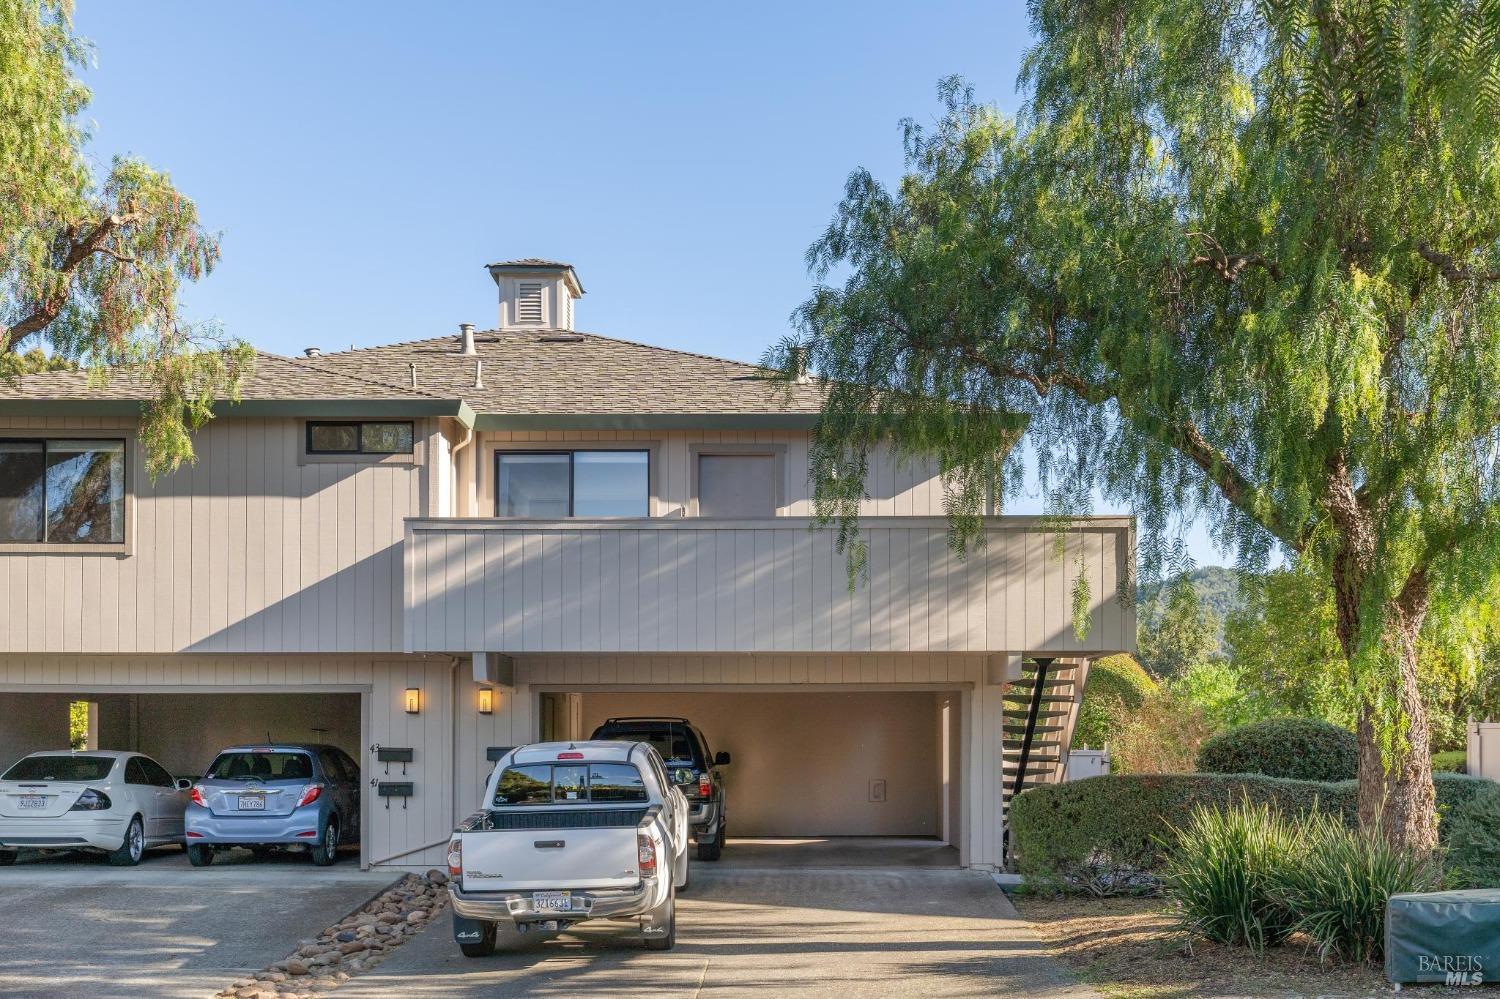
x=31, y=801
x=252, y=803
x=552, y=901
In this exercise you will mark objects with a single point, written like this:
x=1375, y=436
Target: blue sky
x=364, y=162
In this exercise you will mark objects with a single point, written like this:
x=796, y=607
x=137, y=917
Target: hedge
x=1101, y=833
x=1296, y=748
x=1116, y=688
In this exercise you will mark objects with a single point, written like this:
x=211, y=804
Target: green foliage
x=1232, y=260
x=1473, y=842
x=1216, y=689
x=1223, y=869
x=1217, y=586
x=1105, y=835
x=1178, y=632
x=1450, y=761
x=78, y=724
x=1338, y=884
x=1297, y=748
x=93, y=267
x=1115, y=690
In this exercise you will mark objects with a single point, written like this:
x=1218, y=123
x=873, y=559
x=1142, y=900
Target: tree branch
x=1451, y=268
x=79, y=250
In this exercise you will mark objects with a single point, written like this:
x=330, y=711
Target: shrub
x=1162, y=738
x=1116, y=688
x=1471, y=831
x=1340, y=882
x=1222, y=872
x=1105, y=834
x=1453, y=761
x=1295, y=748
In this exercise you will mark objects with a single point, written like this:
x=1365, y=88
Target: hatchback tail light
x=456, y=858
x=91, y=801
x=647, y=850
x=705, y=784
x=197, y=796
x=310, y=795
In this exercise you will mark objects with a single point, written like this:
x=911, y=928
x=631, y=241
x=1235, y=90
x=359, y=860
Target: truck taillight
x=647, y=851
x=705, y=784
x=197, y=796
x=310, y=795
x=455, y=858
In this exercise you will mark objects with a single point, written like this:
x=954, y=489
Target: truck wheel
x=7, y=857
x=667, y=940
x=484, y=946
x=711, y=849
x=132, y=848
x=200, y=854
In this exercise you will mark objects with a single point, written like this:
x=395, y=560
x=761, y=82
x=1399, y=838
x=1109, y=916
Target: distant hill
x=1218, y=587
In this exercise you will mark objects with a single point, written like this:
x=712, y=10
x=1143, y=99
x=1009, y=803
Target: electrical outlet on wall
x=877, y=790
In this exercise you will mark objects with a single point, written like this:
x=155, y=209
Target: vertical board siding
x=243, y=551
x=757, y=586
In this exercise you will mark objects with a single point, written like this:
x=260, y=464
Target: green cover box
x=1448, y=937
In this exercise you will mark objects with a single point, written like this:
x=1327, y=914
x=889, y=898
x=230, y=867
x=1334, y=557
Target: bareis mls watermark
x=1457, y=969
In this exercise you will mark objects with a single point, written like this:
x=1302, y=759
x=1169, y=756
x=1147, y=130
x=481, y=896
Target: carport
x=836, y=776
x=184, y=729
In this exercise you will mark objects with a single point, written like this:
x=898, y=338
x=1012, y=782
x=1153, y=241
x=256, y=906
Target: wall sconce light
x=413, y=700
x=486, y=700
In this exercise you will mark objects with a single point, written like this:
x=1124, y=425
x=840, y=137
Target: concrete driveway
x=74, y=926
x=767, y=931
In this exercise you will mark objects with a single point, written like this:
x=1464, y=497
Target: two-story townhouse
x=426, y=550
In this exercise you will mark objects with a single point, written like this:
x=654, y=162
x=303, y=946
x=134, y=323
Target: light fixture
x=413, y=700
x=486, y=700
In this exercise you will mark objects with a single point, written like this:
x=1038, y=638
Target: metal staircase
x=1040, y=711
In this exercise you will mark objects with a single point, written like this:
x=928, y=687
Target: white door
x=170, y=803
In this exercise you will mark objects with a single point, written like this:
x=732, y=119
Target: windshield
x=673, y=741
x=80, y=769
x=262, y=765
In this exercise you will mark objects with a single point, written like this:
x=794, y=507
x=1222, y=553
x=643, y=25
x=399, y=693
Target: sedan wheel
x=130, y=852
x=326, y=852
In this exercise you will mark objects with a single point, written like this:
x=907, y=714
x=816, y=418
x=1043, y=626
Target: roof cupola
x=536, y=294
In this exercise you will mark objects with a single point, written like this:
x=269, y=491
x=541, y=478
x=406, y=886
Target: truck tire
x=711, y=849
x=483, y=947
x=669, y=939
x=7, y=857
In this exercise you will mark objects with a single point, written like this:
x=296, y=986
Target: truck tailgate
x=524, y=849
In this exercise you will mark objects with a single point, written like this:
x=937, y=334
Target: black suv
x=690, y=765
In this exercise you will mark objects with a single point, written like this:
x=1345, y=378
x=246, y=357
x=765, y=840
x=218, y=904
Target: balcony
x=774, y=585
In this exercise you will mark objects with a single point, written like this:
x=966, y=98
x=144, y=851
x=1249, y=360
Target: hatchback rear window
x=62, y=768
x=251, y=765
x=570, y=783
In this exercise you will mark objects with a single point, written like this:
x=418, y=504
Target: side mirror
x=183, y=784
x=721, y=759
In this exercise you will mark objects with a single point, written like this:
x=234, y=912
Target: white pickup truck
x=570, y=831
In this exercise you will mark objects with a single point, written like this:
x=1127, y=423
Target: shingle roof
x=525, y=373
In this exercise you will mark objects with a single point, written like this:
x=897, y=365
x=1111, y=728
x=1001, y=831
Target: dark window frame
x=359, y=437
x=570, y=453
x=552, y=799
x=47, y=440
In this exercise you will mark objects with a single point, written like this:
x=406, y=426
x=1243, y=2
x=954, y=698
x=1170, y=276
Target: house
x=424, y=551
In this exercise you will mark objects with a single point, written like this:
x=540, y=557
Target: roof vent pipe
x=466, y=339
x=413, y=368
x=479, y=374
x=312, y=352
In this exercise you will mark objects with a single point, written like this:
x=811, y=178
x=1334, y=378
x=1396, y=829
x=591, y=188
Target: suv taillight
x=197, y=796
x=455, y=858
x=310, y=795
x=705, y=784
x=647, y=850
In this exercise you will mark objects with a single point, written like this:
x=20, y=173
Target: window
x=69, y=769
x=359, y=437
x=135, y=773
x=736, y=485
x=261, y=765
x=156, y=774
x=62, y=491
x=557, y=484
x=560, y=783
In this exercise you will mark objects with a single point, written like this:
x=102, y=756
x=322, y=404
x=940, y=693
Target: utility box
x=1447, y=937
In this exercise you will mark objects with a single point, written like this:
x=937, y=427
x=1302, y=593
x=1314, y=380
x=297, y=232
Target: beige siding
x=758, y=586
x=244, y=551
x=895, y=489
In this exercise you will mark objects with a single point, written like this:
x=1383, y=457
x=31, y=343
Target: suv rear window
x=262, y=766
x=570, y=783
x=673, y=741
x=64, y=768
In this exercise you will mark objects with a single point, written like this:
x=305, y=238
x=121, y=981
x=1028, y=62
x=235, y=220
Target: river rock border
x=358, y=942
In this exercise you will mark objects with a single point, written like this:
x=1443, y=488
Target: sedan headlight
x=91, y=801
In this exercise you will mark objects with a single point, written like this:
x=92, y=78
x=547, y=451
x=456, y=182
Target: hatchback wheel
x=327, y=851
x=133, y=848
x=200, y=854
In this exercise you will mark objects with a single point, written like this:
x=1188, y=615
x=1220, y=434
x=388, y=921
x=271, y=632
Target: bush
x=1115, y=690
x=1105, y=834
x=1339, y=885
x=1453, y=761
x=1472, y=834
x=1295, y=748
x=1222, y=873
x=1162, y=738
